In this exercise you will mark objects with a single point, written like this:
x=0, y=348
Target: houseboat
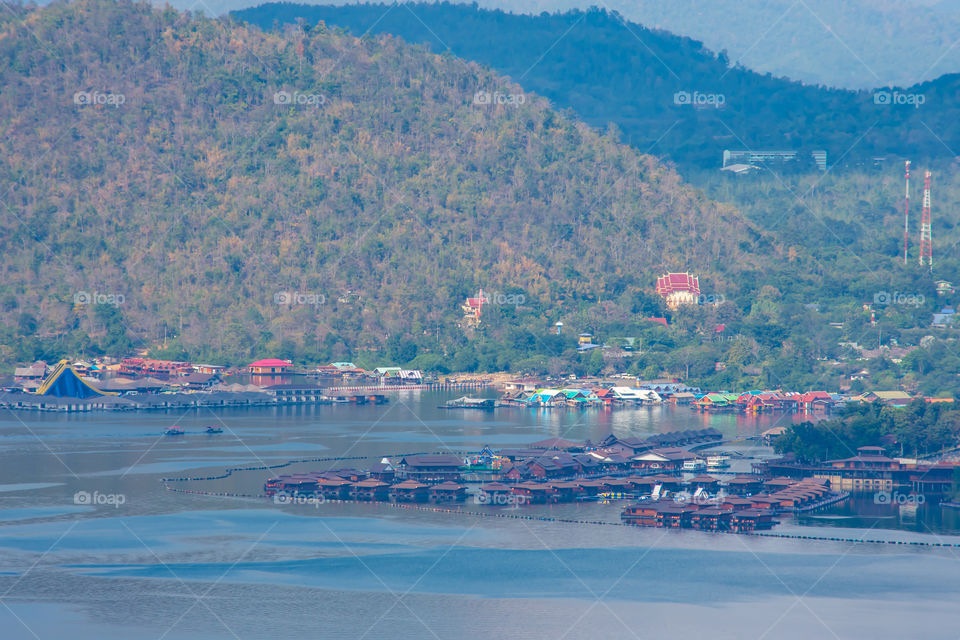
x=409, y=491
x=370, y=490
x=715, y=517
x=447, y=492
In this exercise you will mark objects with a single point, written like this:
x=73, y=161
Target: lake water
x=145, y=562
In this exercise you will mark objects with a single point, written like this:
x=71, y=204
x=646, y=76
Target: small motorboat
x=214, y=429
x=174, y=431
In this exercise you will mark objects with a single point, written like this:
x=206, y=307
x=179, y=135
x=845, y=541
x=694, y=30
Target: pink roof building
x=269, y=366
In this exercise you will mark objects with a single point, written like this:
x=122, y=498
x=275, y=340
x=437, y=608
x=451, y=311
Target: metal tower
x=906, y=214
x=926, y=235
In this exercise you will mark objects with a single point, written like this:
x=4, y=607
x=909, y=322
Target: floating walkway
x=431, y=386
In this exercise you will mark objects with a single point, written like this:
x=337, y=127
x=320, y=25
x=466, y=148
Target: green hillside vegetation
x=200, y=200
x=917, y=430
x=838, y=236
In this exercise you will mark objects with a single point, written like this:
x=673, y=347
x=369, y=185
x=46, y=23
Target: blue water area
x=29, y=513
x=641, y=574
x=139, y=566
x=27, y=486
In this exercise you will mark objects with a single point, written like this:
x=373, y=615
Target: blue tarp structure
x=64, y=382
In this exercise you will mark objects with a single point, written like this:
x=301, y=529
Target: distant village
x=140, y=382
x=143, y=383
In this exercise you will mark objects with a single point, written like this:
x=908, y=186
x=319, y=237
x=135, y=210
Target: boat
x=486, y=404
x=694, y=465
x=213, y=429
x=173, y=431
x=718, y=462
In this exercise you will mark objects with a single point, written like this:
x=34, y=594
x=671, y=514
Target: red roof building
x=812, y=400
x=473, y=308
x=678, y=289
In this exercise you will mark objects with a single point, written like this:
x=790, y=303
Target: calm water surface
x=146, y=562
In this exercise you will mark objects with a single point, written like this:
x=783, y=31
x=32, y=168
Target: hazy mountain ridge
x=856, y=44
x=666, y=93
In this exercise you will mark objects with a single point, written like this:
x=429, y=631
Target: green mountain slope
x=842, y=229
x=239, y=193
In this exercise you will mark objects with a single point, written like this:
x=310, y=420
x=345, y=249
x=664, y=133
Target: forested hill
x=646, y=82
x=312, y=195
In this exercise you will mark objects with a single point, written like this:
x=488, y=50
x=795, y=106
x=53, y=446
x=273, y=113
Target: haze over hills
x=854, y=44
x=667, y=94
x=203, y=171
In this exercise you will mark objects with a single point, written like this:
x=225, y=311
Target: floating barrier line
x=229, y=471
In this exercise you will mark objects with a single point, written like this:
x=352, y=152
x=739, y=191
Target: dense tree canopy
x=919, y=429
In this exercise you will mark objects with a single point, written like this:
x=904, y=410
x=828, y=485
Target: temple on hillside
x=473, y=308
x=678, y=289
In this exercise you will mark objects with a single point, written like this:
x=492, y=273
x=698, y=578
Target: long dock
x=430, y=386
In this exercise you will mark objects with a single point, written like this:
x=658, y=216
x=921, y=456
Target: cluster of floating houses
x=557, y=471
x=606, y=396
x=871, y=470
x=613, y=393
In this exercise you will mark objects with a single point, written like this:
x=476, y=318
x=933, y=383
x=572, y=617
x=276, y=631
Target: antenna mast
x=926, y=234
x=906, y=214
